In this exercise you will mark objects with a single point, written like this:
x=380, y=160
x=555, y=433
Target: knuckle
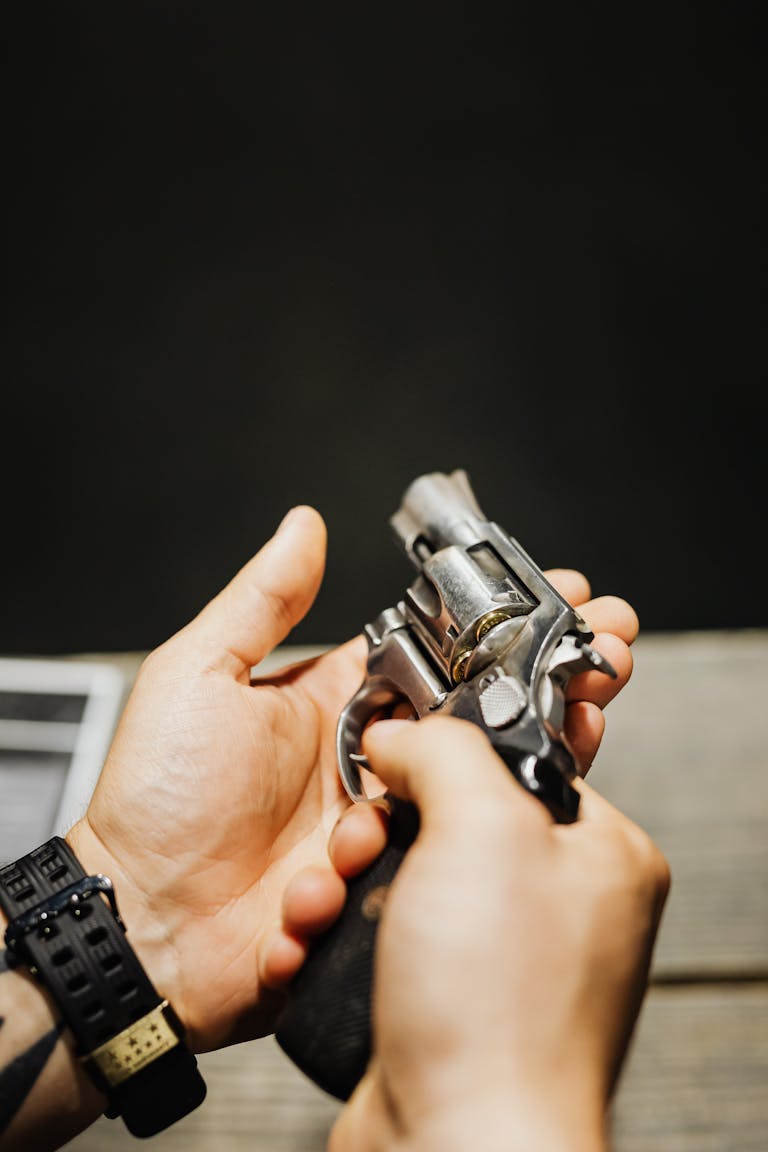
x=269, y=605
x=647, y=862
x=662, y=872
x=460, y=736
x=276, y=605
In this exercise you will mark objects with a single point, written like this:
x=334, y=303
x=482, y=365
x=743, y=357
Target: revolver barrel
x=436, y=510
x=467, y=583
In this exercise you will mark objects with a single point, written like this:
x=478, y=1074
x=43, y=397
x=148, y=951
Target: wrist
x=557, y=1113
x=548, y=1116
x=123, y=1030
x=508, y=1126
x=149, y=934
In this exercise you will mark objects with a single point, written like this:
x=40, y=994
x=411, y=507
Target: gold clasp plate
x=136, y=1046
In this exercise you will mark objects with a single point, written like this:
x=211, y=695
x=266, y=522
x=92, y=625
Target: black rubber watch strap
x=80, y=952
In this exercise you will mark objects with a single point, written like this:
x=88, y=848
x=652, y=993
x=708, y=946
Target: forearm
x=45, y=1096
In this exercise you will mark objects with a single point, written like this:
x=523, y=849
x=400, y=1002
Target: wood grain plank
x=684, y=755
x=696, y=1079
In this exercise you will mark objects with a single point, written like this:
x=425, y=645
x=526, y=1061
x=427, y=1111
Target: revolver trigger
x=599, y=662
x=360, y=759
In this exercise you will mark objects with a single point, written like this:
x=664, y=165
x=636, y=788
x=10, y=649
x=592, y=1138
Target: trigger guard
x=376, y=693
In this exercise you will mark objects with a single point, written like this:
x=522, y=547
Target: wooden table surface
x=685, y=756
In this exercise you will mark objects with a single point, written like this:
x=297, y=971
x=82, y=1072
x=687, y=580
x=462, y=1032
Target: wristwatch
x=65, y=927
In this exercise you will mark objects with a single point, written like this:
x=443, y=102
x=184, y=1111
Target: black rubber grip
x=325, y=1027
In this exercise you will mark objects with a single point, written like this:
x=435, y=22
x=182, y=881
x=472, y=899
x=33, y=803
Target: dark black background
x=260, y=256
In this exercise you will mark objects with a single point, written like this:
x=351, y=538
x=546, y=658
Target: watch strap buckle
x=39, y=916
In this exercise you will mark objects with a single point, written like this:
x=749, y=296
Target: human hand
x=512, y=957
x=217, y=790
x=362, y=833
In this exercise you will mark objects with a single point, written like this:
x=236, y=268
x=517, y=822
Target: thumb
x=446, y=766
x=268, y=597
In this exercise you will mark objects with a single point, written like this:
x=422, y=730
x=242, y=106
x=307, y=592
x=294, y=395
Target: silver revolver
x=480, y=634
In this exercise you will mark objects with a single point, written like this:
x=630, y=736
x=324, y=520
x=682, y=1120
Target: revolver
x=480, y=634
